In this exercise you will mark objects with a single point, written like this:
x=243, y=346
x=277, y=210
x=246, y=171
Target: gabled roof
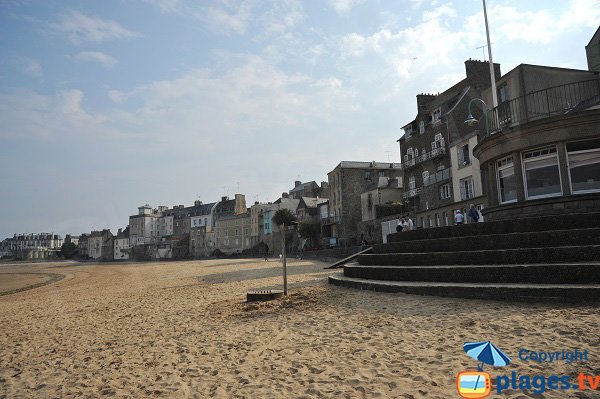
x=301, y=186
x=311, y=202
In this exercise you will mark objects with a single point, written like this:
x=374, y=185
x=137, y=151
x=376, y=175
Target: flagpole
x=492, y=74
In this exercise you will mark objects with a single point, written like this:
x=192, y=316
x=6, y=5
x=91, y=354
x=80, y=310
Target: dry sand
x=182, y=329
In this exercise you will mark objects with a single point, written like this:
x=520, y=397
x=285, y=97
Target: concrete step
x=589, y=293
x=557, y=273
x=542, y=223
x=587, y=253
x=534, y=239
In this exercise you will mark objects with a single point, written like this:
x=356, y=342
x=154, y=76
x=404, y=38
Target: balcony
x=437, y=177
x=566, y=99
x=331, y=220
x=436, y=152
x=413, y=192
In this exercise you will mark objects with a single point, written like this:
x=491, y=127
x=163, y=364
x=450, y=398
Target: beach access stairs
x=547, y=258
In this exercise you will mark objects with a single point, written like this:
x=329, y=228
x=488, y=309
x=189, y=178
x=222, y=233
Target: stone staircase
x=549, y=258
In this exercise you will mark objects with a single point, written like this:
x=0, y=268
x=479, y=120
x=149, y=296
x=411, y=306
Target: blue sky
x=108, y=105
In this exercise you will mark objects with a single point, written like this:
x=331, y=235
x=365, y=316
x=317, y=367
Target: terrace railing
x=559, y=100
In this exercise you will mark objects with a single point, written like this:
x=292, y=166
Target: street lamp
x=472, y=121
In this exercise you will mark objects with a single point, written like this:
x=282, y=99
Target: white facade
x=466, y=178
x=466, y=175
x=95, y=247
x=202, y=221
x=145, y=226
x=121, y=245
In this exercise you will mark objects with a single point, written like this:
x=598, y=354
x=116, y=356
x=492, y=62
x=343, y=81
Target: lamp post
x=492, y=74
x=472, y=121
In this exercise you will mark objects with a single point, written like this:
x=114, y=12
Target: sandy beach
x=183, y=330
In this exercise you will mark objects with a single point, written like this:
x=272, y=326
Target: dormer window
x=437, y=115
x=421, y=127
x=408, y=130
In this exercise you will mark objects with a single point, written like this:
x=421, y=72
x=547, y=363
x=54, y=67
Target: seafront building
x=32, y=246
x=540, y=151
x=347, y=181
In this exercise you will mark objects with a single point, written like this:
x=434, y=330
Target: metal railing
x=559, y=100
x=413, y=192
x=437, y=177
x=331, y=220
x=424, y=157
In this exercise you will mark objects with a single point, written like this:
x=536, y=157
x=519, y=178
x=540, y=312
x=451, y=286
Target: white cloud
x=27, y=114
x=406, y=53
x=543, y=26
x=33, y=68
x=229, y=18
x=95, y=56
x=343, y=6
x=83, y=28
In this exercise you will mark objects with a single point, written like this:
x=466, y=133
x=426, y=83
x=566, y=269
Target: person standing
x=459, y=218
x=473, y=214
x=400, y=226
x=409, y=223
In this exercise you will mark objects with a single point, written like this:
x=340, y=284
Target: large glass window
x=507, y=181
x=584, y=166
x=466, y=188
x=542, y=177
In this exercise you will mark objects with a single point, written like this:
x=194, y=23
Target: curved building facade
x=540, y=151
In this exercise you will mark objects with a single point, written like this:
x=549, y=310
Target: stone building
x=83, y=246
x=540, y=150
x=202, y=242
x=121, y=245
x=309, y=189
x=233, y=233
x=347, y=181
x=101, y=245
x=307, y=210
x=592, y=51
x=384, y=191
x=232, y=225
x=436, y=149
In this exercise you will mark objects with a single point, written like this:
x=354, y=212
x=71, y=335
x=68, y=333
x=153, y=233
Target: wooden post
x=285, y=290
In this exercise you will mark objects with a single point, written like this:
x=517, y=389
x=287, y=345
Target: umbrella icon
x=487, y=353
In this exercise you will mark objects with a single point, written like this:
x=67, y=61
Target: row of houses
x=537, y=152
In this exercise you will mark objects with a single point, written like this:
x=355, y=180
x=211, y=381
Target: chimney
x=255, y=202
x=224, y=198
x=197, y=203
x=240, y=204
x=297, y=183
x=423, y=100
x=479, y=72
x=120, y=231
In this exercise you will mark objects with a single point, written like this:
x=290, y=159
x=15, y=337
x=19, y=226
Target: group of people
x=405, y=224
x=473, y=215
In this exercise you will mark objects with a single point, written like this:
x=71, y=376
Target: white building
x=466, y=175
x=121, y=245
x=144, y=228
